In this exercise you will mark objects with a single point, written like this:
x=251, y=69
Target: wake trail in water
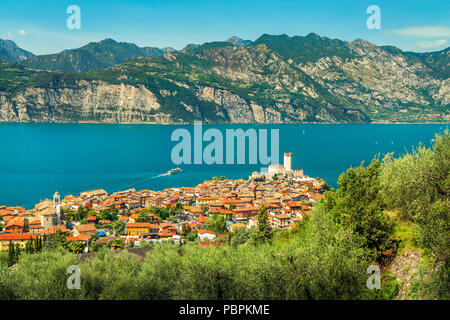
x=134, y=183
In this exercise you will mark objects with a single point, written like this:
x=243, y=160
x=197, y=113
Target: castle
x=279, y=170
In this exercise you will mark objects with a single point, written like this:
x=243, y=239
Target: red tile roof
x=81, y=237
x=11, y=236
x=139, y=225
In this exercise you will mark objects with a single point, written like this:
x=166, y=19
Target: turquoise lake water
x=38, y=159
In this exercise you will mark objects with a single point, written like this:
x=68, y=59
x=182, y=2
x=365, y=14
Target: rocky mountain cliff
x=10, y=52
x=276, y=79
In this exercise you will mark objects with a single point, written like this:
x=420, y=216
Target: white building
x=279, y=170
x=206, y=234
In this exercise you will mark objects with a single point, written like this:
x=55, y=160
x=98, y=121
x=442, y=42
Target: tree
x=11, y=254
x=38, y=244
x=220, y=224
x=186, y=229
x=26, y=225
x=204, y=209
x=176, y=210
x=264, y=233
x=192, y=235
x=119, y=227
x=58, y=239
x=358, y=204
x=17, y=253
x=116, y=244
x=143, y=217
x=76, y=247
x=29, y=247
x=240, y=236
x=108, y=215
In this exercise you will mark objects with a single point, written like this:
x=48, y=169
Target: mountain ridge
x=10, y=52
x=275, y=79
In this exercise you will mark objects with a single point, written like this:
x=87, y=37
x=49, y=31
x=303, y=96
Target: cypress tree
x=36, y=244
x=11, y=254
x=17, y=251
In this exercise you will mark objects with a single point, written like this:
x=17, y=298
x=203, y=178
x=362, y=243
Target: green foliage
x=204, y=209
x=108, y=215
x=358, y=205
x=76, y=247
x=240, y=236
x=143, y=217
x=218, y=224
x=163, y=213
x=110, y=275
x=264, y=233
x=39, y=276
x=116, y=244
x=304, y=49
x=192, y=236
x=11, y=254
x=176, y=209
x=418, y=185
x=55, y=240
x=389, y=288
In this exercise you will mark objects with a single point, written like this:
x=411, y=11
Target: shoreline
x=207, y=123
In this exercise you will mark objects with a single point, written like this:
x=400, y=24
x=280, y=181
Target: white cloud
x=431, y=44
x=22, y=32
x=424, y=31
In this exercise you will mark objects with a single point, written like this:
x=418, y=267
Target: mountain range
x=275, y=79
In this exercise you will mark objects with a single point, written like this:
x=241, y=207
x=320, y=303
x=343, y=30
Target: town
x=205, y=214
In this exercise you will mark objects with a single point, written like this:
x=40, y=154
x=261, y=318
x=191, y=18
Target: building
x=16, y=239
x=138, y=228
x=99, y=193
x=49, y=212
x=87, y=229
x=206, y=234
x=143, y=228
x=81, y=238
x=278, y=170
x=201, y=201
x=287, y=161
x=281, y=221
x=244, y=213
x=35, y=226
x=16, y=225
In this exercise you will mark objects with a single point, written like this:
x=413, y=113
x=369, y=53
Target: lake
x=38, y=159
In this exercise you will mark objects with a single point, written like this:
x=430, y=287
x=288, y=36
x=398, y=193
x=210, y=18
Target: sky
x=40, y=26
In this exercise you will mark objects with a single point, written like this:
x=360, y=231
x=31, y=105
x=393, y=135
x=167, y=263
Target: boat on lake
x=175, y=171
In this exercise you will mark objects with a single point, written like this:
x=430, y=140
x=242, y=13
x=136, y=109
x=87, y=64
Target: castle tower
x=57, y=207
x=287, y=161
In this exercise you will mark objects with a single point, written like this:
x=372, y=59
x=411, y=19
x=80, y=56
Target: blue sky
x=40, y=26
